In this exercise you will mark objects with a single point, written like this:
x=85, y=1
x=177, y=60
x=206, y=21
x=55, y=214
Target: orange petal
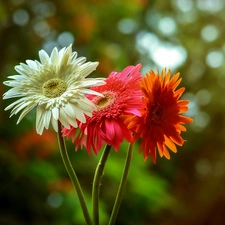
x=174, y=82
x=177, y=139
x=160, y=149
x=167, y=77
x=184, y=119
x=170, y=144
x=179, y=92
x=179, y=127
x=177, y=83
x=165, y=152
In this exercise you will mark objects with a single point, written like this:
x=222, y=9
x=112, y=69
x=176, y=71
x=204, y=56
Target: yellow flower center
x=104, y=102
x=54, y=88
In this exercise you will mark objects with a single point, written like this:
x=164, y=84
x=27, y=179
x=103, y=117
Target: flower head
x=160, y=125
x=121, y=96
x=56, y=85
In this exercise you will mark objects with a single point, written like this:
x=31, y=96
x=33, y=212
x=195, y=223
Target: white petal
x=89, y=82
x=14, y=92
x=70, y=47
x=86, y=104
x=54, y=57
x=87, y=68
x=73, y=122
x=73, y=56
x=50, y=103
x=23, y=69
x=65, y=57
x=54, y=123
x=44, y=57
x=80, y=60
x=20, y=106
x=69, y=110
x=17, y=77
x=75, y=112
x=38, y=63
x=47, y=118
x=31, y=64
x=63, y=118
x=61, y=54
x=25, y=111
x=39, y=120
x=55, y=113
x=68, y=50
x=79, y=114
x=91, y=92
x=12, y=83
x=89, y=113
x=15, y=103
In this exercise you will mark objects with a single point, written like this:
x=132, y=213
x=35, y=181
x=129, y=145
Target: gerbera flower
x=160, y=125
x=56, y=85
x=121, y=96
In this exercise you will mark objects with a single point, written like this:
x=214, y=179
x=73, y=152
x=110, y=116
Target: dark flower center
x=156, y=114
x=54, y=88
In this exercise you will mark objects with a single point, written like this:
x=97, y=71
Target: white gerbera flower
x=56, y=85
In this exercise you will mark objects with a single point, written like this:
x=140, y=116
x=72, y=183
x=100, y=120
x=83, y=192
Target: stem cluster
x=96, y=183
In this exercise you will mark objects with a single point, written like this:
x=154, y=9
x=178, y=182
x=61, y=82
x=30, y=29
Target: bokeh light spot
x=167, y=26
x=210, y=5
x=44, y=9
x=215, y=59
x=169, y=56
x=41, y=28
x=21, y=17
x=201, y=120
x=203, y=167
x=209, y=33
x=184, y=5
x=55, y=199
x=204, y=97
x=65, y=39
x=127, y=26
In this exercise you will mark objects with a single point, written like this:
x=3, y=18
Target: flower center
x=104, y=102
x=54, y=88
x=157, y=112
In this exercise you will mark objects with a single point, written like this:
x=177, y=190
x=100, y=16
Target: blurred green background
x=183, y=35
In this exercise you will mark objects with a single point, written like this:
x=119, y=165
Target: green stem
x=73, y=176
x=121, y=188
x=97, y=182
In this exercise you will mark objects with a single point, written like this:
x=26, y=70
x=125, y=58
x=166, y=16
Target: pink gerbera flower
x=121, y=96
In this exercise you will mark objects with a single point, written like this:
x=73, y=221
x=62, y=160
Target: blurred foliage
x=183, y=35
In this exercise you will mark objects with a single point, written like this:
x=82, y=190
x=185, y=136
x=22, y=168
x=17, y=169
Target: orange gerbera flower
x=160, y=125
